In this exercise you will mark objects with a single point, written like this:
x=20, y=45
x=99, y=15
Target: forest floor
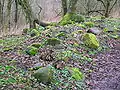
x=106, y=75
x=99, y=68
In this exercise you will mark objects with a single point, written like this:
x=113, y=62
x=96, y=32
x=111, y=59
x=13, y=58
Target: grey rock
x=94, y=30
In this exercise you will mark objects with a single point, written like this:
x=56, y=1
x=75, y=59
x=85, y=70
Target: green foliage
x=76, y=74
x=62, y=34
x=31, y=50
x=90, y=40
x=7, y=49
x=105, y=29
x=40, y=28
x=34, y=32
x=89, y=24
x=52, y=41
x=11, y=75
x=9, y=43
x=63, y=78
x=81, y=25
x=53, y=24
x=114, y=36
x=37, y=45
x=64, y=55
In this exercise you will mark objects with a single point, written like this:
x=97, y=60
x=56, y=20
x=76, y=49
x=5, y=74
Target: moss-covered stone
x=31, y=50
x=34, y=32
x=76, y=74
x=36, y=45
x=89, y=24
x=90, y=40
x=71, y=18
x=52, y=41
x=44, y=74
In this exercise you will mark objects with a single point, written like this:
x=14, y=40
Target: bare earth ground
x=106, y=74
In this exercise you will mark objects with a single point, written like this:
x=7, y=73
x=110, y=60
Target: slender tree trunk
x=64, y=5
x=16, y=11
x=107, y=9
x=9, y=12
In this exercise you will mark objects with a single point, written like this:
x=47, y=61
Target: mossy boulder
x=52, y=41
x=90, y=40
x=76, y=74
x=31, y=50
x=44, y=74
x=34, y=32
x=36, y=45
x=71, y=18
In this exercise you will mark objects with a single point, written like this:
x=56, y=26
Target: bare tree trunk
x=72, y=6
x=29, y=14
x=9, y=12
x=16, y=11
x=64, y=6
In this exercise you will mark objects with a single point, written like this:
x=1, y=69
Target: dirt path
x=106, y=75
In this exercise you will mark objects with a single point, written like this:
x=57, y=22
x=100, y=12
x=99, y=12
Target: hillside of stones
x=71, y=48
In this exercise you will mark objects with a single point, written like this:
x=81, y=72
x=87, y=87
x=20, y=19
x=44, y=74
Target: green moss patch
x=31, y=50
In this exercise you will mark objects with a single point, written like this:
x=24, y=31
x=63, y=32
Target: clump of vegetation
x=36, y=45
x=31, y=50
x=34, y=32
x=11, y=75
x=76, y=74
x=62, y=34
x=81, y=25
x=40, y=28
x=65, y=55
x=89, y=24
